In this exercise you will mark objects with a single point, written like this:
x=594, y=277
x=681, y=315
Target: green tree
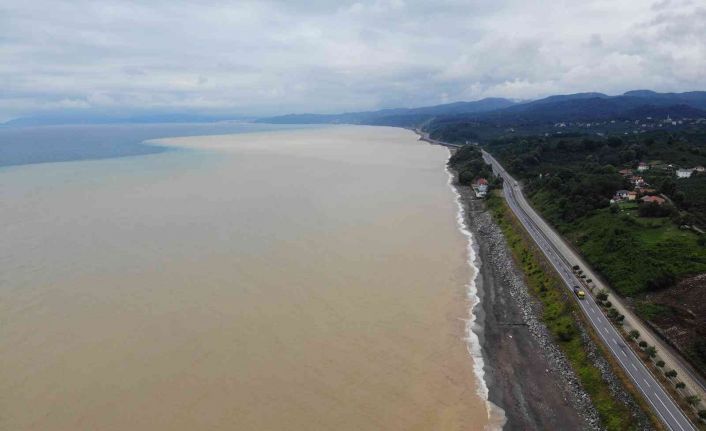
x=668, y=186
x=614, y=141
x=651, y=351
x=634, y=334
x=693, y=400
x=660, y=363
x=680, y=385
x=671, y=374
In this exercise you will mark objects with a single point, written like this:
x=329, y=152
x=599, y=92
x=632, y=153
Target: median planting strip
x=661, y=402
x=561, y=317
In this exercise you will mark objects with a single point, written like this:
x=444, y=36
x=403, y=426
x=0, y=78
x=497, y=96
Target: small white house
x=642, y=167
x=684, y=173
x=480, y=187
x=622, y=194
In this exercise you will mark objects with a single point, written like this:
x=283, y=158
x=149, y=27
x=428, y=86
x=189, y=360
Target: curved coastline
x=527, y=375
x=364, y=353
x=496, y=415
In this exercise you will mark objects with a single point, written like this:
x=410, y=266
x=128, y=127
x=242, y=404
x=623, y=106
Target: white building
x=480, y=187
x=621, y=194
x=684, y=173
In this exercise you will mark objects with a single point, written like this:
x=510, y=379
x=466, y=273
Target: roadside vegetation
x=628, y=190
x=468, y=162
x=652, y=253
x=689, y=402
x=561, y=316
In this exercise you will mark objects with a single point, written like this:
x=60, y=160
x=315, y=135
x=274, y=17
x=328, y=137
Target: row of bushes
x=651, y=353
x=559, y=315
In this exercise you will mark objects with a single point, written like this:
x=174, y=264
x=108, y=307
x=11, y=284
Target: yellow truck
x=579, y=292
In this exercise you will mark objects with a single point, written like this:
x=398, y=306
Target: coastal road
x=563, y=259
x=695, y=384
x=424, y=136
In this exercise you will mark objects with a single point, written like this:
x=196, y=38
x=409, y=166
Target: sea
x=234, y=277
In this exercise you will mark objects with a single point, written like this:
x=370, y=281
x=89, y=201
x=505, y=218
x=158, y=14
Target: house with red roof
x=480, y=186
x=653, y=199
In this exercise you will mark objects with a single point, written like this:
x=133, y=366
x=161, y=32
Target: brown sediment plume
x=312, y=279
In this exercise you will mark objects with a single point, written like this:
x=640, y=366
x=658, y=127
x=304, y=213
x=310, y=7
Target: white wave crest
x=496, y=415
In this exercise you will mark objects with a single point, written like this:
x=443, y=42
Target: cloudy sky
x=271, y=57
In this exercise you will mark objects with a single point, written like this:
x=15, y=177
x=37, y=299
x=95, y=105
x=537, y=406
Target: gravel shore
x=527, y=375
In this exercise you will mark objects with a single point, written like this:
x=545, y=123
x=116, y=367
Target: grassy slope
x=630, y=251
x=560, y=316
x=642, y=258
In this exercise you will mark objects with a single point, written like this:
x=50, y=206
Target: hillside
x=653, y=253
x=394, y=117
x=633, y=112
x=489, y=118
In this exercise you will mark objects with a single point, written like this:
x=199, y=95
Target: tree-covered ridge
x=649, y=252
x=468, y=162
x=493, y=117
x=636, y=112
x=580, y=174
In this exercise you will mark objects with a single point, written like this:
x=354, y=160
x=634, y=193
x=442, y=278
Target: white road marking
x=539, y=238
x=670, y=413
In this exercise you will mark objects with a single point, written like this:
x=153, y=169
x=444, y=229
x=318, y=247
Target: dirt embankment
x=679, y=315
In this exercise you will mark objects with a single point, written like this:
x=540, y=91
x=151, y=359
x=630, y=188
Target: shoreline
x=526, y=376
x=496, y=414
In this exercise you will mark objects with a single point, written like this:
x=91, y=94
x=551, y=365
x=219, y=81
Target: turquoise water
x=45, y=144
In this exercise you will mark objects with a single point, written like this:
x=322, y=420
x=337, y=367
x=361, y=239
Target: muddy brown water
x=302, y=280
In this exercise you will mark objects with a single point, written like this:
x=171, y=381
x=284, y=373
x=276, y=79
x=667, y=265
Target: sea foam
x=496, y=415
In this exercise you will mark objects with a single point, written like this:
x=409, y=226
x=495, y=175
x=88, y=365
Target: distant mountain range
x=570, y=107
x=396, y=117
x=83, y=118
x=597, y=106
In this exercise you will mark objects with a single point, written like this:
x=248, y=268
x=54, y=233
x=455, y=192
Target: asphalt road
x=661, y=402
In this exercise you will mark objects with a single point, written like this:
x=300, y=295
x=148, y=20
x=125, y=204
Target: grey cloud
x=269, y=57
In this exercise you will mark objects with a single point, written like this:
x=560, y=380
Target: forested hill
x=593, y=113
x=505, y=113
x=405, y=117
x=597, y=106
